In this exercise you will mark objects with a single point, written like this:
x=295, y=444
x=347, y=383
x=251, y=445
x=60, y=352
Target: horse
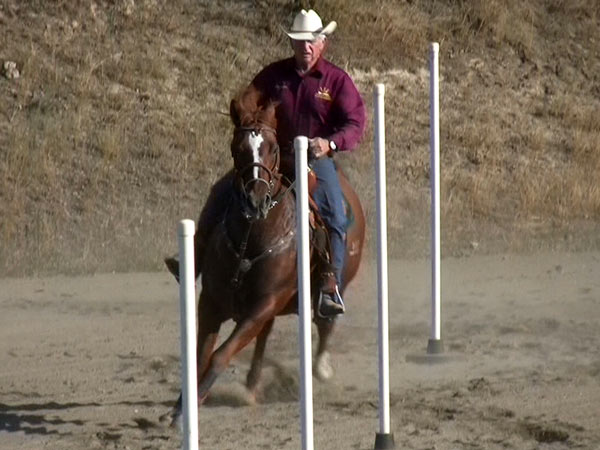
x=252, y=274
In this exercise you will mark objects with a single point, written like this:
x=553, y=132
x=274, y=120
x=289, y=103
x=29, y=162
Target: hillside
x=117, y=124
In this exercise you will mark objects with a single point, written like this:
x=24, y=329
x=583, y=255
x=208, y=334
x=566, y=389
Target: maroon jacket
x=322, y=103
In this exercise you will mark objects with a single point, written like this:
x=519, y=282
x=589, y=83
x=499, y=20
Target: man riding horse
x=319, y=100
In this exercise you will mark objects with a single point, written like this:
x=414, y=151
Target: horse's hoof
x=250, y=397
x=171, y=419
x=323, y=369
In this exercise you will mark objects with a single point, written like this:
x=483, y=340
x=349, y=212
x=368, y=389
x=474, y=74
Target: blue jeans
x=330, y=200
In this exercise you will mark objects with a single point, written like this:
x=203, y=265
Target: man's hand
x=318, y=147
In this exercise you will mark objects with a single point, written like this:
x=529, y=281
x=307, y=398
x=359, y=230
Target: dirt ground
x=92, y=362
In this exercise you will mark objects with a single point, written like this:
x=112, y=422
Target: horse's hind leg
x=323, y=369
x=253, y=376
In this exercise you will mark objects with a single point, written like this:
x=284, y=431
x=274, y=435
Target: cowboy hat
x=308, y=25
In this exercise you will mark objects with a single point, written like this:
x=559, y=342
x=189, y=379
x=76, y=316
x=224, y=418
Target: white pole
x=384, y=437
x=435, y=342
x=304, y=306
x=187, y=297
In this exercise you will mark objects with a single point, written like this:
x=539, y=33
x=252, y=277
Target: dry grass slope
x=117, y=125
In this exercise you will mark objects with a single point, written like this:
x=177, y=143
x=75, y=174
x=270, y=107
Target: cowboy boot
x=330, y=301
x=172, y=262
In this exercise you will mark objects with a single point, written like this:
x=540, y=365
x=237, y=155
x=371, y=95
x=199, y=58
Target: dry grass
x=118, y=124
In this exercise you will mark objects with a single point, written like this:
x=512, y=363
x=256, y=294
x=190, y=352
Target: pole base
x=435, y=347
x=384, y=441
x=435, y=354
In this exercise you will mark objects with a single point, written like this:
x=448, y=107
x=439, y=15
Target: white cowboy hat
x=308, y=25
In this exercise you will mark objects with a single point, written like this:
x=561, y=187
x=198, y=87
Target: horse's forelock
x=252, y=108
x=266, y=115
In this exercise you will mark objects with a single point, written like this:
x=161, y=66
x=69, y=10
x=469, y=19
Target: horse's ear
x=234, y=113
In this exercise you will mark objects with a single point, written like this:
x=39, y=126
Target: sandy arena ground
x=92, y=362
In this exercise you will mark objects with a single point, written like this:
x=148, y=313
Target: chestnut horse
x=252, y=274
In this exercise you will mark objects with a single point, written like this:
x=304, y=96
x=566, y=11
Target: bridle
x=272, y=172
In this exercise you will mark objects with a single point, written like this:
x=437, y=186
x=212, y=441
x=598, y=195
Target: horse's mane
x=250, y=107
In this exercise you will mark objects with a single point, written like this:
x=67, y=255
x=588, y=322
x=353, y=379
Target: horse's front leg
x=208, y=332
x=246, y=330
x=257, y=359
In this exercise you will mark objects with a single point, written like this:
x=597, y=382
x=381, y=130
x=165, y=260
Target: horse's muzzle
x=257, y=206
x=256, y=198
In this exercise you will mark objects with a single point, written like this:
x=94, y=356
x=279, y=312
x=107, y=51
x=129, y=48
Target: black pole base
x=384, y=441
x=435, y=347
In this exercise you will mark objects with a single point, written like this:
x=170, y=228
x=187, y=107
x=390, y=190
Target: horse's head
x=255, y=153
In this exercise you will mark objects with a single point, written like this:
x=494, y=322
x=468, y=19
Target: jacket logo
x=323, y=94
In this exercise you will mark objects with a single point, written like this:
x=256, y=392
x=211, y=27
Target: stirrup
x=330, y=304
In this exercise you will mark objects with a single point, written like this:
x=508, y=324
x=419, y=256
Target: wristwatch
x=332, y=146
